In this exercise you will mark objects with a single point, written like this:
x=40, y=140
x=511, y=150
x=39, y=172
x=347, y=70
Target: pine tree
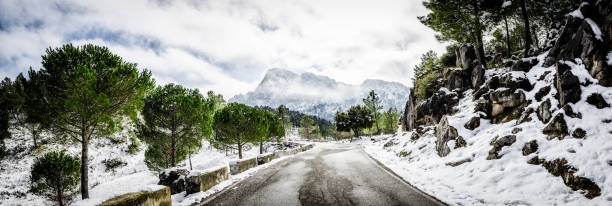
x=89, y=90
x=357, y=118
x=236, y=124
x=176, y=120
x=391, y=118
x=306, y=126
x=373, y=104
x=55, y=176
x=34, y=114
x=283, y=113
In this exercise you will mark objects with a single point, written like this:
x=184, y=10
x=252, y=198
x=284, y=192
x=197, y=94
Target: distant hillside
x=319, y=95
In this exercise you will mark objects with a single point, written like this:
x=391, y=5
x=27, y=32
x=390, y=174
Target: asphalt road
x=331, y=174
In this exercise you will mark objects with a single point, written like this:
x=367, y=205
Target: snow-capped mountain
x=319, y=95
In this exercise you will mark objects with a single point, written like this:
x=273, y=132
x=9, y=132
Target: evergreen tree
x=274, y=130
x=55, y=176
x=236, y=124
x=357, y=118
x=457, y=20
x=88, y=90
x=176, y=120
x=34, y=113
x=391, y=118
x=283, y=113
x=373, y=104
x=306, y=126
x=216, y=100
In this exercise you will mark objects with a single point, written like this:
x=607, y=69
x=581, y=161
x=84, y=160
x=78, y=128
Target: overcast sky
x=228, y=45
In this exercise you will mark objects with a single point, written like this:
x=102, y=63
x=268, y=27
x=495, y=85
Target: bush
x=112, y=164
x=134, y=145
x=426, y=85
x=55, y=176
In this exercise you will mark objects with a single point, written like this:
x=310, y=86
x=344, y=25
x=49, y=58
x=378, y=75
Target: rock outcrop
x=582, y=39
x=498, y=143
x=444, y=134
x=431, y=110
x=567, y=84
x=556, y=128
x=561, y=168
x=173, y=178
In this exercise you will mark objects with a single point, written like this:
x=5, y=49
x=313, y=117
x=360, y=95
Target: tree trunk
x=35, y=137
x=59, y=196
x=261, y=148
x=479, y=44
x=508, y=46
x=190, y=166
x=84, y=167
x=527, y=33
x=239, y=150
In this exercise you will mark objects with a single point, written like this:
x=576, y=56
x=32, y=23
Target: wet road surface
x=329, y=174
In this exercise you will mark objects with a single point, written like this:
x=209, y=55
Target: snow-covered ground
x=103, y=184
x=509, y=180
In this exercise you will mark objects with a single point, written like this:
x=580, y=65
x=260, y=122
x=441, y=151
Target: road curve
x=330, y=174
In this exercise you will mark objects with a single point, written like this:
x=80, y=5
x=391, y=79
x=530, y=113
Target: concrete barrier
x=242, y=165
x=204, y=181
x=263, y=159
x=144, y=198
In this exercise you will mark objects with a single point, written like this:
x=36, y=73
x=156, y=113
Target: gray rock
x=579, y=133
x=517, y=130
x=570, y=112
x=577, y=40
x=524, y=64
x=597, y=100
x=525, y=116
x=544, y=111
x=431, y=110
x=498, y=143
x=455, y=79
x=567, y=84
x=530, y=147
x=556, y=128
x=542, y=92
x=467, y=56
x=477, y=76
x=173, y=178
x=192, y=184
x=445, y=133
x=473, y=123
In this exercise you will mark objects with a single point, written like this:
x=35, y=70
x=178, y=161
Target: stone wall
x=144, y=198
x=242, y=165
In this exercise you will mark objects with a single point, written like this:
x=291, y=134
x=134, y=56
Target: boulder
x=507, y=98
x=408, y=118
x=597, y=100
x=544, y=111
x=456, y=79
x=497, y=109
x=525, y=116
x=516, y=130
x=579, y=133
x=467, y=56
x=477, y=76
x=570, y=112
x=524, y=64
x=578, y=40
x=530, y=147
x=484, y=107
x=473, y=123
x=567, y=84
x=192, y=184
x=173, y=178
x=445, y=133
x=561, y=168
x=556, y=128
x=498, y=143
x=542, y=92
x=515, y=80
x=431, y=110
x=415, y=136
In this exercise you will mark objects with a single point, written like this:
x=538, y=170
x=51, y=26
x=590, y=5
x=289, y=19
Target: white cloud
x=226, y=46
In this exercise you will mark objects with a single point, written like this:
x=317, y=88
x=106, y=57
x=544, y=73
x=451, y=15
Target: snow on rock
x=595, y=28
x=142, y=181
x=466, y=177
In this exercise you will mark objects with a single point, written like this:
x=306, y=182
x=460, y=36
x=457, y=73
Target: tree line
x=86, y=92
x=367, y=118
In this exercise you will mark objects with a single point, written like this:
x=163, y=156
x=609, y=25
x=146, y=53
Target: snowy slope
x=509, y=180
x=319, y=95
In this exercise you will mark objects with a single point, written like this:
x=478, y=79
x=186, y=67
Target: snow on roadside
x=510, y=179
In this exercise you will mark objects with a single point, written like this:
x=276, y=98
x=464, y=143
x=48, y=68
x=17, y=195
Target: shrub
x=112, y=164
x=426, y=85
x=55, y=176
x=134, y=145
